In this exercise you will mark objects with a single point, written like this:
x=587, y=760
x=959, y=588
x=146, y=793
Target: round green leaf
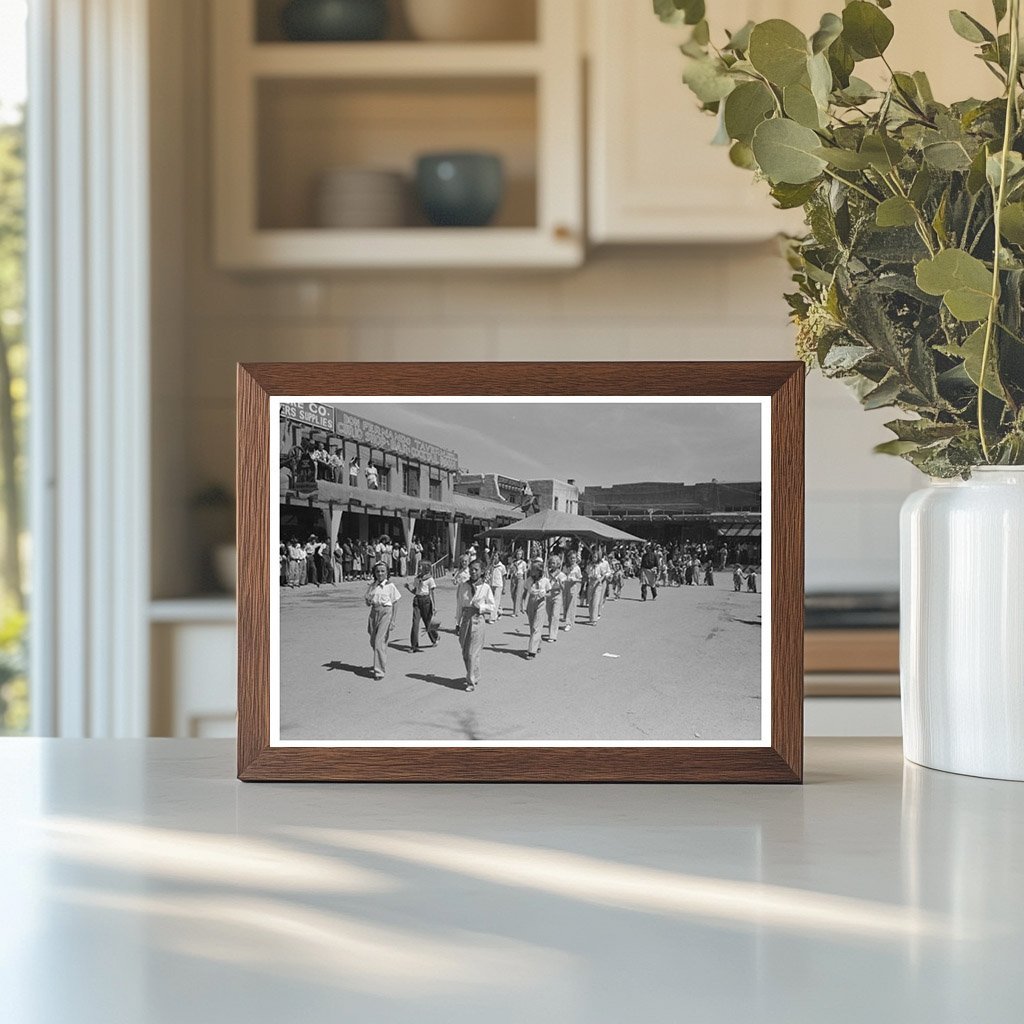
x=779, y=51
x=743, y=156
x=801, y=106
x=747, y=106
x=841, y=62
x=829, y=30
x=1012, y=224
x=674, y=12
x=895, y=212
x=740, y=39
x=785, y=152
x=820, y=76
x=866, y=29
x=947, y=156
x=963, y=281
x=882, y=152
x=708, y=81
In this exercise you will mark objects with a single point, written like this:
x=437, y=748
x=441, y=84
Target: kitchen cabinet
x=286, y=113
x=653, y=175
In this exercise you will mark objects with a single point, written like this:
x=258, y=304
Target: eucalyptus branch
x=923, y=227
x=771, y=89
x=969, y=217
x=1000, y=199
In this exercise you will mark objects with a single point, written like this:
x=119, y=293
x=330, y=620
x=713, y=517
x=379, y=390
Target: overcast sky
x=596, y=444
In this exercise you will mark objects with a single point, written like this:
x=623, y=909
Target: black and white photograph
x=456, y=571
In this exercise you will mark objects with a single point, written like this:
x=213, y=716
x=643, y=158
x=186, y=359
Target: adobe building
x=671, y=513
x=410, y=492
x=562, y=496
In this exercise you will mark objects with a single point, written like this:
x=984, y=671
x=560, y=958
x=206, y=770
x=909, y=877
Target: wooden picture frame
x=779, y=759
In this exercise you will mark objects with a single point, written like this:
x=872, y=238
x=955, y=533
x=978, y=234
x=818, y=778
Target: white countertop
x=143, y=885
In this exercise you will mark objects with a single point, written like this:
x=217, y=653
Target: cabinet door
x=654, y=175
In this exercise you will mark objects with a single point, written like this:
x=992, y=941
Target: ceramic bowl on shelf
x=331, y=21
x=471, y=20
x=361, y=198
x=225, y=566
x=460, y=189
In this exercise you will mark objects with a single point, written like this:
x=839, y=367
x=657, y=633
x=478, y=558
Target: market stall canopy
x=559, y=524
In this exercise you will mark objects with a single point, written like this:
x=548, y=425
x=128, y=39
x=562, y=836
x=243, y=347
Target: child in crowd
x=518, y=571
x=571, y=589
x=737, y=578
x=537, y=587
x=460, y=575
x=477, y=606
x=496, y=581
x=422, y=590
x=381, y=597
x=553, y=600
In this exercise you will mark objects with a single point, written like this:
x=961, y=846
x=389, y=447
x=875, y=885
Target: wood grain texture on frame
x=782, y=761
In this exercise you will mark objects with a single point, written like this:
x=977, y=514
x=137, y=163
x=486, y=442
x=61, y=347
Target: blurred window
x=14, y=548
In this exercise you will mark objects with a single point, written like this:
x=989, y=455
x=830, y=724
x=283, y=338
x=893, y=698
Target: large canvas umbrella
x=550, y=523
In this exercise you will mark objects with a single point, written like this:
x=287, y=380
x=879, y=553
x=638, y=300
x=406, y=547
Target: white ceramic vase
x=962, y=624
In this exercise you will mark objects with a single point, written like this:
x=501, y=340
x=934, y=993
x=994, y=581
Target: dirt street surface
x=687, y=667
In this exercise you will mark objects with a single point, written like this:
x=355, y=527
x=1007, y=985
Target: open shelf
x=393, y=60
x=287, y=113
x=308, y=127
x=520, y=17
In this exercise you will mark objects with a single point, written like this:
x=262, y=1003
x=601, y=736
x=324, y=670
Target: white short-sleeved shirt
x=383, y=595
x=479, y=597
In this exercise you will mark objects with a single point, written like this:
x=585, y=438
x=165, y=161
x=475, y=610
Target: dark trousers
x=312, y=576
x=422, y=611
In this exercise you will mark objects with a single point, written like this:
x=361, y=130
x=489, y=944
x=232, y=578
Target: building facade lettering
x=351, y=427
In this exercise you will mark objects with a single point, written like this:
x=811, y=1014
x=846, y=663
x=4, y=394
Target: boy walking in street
x=422, y=590
x=649, y=573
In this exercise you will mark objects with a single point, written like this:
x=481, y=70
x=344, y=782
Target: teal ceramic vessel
x=461, y=190
x=332, y=21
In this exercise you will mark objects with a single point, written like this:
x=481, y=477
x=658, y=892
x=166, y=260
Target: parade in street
x=421, y=602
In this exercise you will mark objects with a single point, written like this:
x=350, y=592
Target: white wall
x=656, y=303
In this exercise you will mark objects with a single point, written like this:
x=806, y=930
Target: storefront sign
x=355, y=428
x=312, y=413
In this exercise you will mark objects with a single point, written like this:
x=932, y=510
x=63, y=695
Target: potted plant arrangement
x=908, y=288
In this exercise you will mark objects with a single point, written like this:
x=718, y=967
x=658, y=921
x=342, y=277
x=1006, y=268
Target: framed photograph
x=551, y=572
